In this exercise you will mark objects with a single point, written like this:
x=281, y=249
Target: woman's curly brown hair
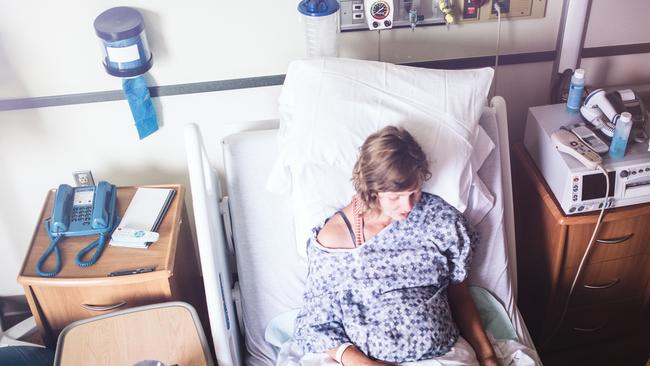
x=390, y=160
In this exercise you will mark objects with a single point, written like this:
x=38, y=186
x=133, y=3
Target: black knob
x=387, y=23
x=375, y=24
x=624, y=173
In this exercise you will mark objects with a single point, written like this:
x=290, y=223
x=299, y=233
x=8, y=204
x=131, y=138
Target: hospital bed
x=253, y=274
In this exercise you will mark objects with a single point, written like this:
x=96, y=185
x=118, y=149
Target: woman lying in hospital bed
x=381, y=292
x=328, y=108
x=386, y=280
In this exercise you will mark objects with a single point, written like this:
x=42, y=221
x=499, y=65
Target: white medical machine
x=579, y=189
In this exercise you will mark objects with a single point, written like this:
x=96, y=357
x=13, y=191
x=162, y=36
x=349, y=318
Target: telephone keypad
x=81, y=213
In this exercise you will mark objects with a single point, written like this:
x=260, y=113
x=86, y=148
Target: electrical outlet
x=83, y=178
x=504, y=6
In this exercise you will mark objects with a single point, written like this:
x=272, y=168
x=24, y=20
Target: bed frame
x=216, y=249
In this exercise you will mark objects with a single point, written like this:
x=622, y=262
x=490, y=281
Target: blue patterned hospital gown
x=388, y=296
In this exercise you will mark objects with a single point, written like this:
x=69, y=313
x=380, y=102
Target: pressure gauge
x=379, y=14
x=380, y=10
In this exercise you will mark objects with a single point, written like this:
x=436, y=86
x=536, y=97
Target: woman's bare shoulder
x=335, y=233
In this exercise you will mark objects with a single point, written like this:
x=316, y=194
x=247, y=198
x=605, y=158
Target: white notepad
x=145, y=212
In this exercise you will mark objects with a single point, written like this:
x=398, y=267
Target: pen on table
x=131, y=271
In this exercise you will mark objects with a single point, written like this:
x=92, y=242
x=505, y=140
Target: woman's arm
x=352, y=356
x=467, y=318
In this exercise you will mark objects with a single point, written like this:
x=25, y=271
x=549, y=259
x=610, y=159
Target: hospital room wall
x=192, y=42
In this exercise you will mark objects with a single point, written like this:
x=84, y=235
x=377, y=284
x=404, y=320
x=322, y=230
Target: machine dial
x=379, y=10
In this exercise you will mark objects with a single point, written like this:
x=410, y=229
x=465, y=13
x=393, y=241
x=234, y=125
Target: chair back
x=169, y=333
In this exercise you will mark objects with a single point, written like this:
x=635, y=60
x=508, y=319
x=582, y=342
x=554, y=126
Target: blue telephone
x=80, y=211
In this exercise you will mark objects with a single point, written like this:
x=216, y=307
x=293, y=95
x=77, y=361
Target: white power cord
x=583, y=260
x=496, y=58
x=379, y=45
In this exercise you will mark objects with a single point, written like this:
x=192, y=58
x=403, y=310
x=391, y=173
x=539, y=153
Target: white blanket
x=508, y=352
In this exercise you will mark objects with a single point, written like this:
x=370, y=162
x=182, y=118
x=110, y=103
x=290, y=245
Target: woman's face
x=398, y=205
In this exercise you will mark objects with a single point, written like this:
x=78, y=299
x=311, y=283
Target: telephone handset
x=80, y=211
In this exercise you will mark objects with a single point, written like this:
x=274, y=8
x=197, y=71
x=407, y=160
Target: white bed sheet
x=271, y=273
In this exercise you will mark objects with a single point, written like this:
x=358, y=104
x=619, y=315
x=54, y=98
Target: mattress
x=271, y=273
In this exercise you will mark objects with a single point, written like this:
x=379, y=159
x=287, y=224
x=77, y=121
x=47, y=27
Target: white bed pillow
x=321, y=189
x=329, y=106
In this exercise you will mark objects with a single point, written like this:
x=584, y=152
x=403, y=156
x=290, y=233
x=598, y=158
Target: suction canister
x=320, y=19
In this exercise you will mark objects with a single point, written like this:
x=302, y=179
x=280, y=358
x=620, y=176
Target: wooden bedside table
x=611, y=298
x=82, y=292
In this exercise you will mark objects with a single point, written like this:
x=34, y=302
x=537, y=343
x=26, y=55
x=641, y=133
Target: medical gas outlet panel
x=383, y=14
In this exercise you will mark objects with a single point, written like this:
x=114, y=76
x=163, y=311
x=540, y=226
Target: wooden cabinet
x=81, y=292
x=611, y=297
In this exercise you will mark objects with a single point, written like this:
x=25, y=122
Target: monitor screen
x=593, y=185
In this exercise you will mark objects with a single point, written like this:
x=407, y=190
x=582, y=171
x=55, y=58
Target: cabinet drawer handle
x=618, y=240
x=103, y=307
x=590, y=329
x=600, y=287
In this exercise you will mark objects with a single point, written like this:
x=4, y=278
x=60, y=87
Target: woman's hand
x=468, y=320
x=352, y=356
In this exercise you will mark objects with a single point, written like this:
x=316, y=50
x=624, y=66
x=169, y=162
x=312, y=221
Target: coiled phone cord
x=53, y=247
x=582, y=261
x=99, y=244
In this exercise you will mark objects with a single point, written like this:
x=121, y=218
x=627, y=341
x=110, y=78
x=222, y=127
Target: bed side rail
x=213, y=249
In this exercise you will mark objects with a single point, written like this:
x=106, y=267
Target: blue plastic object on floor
x=142, y=109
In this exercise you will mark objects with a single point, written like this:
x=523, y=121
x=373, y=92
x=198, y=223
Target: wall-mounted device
x=577, y=188
x=355, y=14
x=379, y=14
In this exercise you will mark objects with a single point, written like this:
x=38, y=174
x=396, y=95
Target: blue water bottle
x=574, y=100
x=621, y=135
